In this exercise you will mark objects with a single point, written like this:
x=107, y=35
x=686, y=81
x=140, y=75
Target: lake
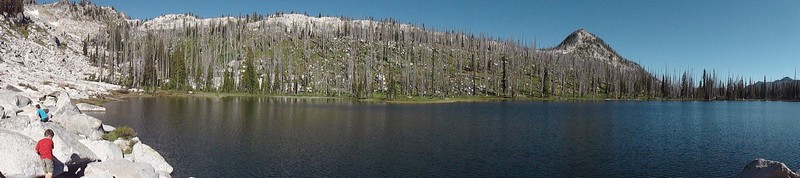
x=307, y=137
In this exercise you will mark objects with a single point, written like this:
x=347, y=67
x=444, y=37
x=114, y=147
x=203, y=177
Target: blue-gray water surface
x=301, y=137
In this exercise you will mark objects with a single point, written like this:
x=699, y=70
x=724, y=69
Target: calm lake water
x=263, y=136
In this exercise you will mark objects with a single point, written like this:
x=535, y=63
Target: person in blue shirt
x=42, y=115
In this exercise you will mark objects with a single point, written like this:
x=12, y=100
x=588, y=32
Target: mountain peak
x=583, y=43
x=583, y=33
x=580, y=37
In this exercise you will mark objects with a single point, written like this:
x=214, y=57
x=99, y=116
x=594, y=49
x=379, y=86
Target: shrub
x=28, y=86
x=123, y=132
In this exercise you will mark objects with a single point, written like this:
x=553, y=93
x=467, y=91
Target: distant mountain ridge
x=784, y=80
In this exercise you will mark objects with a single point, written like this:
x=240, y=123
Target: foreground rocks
x=144, y=154
x=78, y=143
x=104, y=150
x=120, y=168
x=16, y=155
x=766, y=168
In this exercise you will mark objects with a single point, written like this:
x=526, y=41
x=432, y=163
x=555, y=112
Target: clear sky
x=752, y=38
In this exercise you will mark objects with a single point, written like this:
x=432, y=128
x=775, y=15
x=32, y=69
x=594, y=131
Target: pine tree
x=149, y=76
x=178, y=70
x=227, y=81
x=249, y=81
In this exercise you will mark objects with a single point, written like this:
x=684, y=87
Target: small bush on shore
x=123, y=132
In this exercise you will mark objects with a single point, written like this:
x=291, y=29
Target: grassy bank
x=120, y=95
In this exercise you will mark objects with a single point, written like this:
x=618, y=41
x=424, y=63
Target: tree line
x=711, y=87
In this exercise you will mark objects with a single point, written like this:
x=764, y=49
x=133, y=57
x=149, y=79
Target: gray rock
x=11, y=102
x=108, y=128
x=89, y=107
x=23, y=101
x=120, y=168
x=128, y=157
x=81, y=124
x=8, y=97
x=50, y=99
x=766, y=168
x=79, y=94
x=126, y=146
x=16, y=123
x=12, y=88
x=145, y=154
x=17, y=155
x=64, y=106
x=104, y=150
x=100, y=174
x=121, y=143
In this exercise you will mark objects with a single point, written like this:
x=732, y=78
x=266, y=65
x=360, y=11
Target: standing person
x=45, y=150
x=42, y=115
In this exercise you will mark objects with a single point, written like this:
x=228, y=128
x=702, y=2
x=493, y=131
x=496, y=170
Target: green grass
x=123, y=132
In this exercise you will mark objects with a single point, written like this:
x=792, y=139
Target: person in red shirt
x=45, y=150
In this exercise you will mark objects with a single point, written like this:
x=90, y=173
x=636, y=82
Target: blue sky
x=748, y=38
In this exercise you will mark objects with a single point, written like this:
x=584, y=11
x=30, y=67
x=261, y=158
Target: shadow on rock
x=58, y=166
x=76, y=167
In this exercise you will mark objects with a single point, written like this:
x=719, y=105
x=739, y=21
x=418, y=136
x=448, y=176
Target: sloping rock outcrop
x=64, y=106
x=766, y=168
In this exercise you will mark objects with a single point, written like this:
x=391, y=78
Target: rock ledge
x=766, y=168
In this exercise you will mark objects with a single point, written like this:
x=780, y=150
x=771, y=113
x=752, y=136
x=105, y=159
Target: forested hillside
x=294, y=54
x=298, y=54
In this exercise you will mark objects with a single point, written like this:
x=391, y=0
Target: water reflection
x=301, y=137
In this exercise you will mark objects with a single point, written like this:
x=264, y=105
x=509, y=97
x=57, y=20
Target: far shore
x=120, y=95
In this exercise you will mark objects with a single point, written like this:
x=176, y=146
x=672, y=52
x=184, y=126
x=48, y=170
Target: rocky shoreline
x=79, y=147
x=766, y=168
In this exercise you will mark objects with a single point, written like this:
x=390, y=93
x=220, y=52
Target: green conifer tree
x=249, y=81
